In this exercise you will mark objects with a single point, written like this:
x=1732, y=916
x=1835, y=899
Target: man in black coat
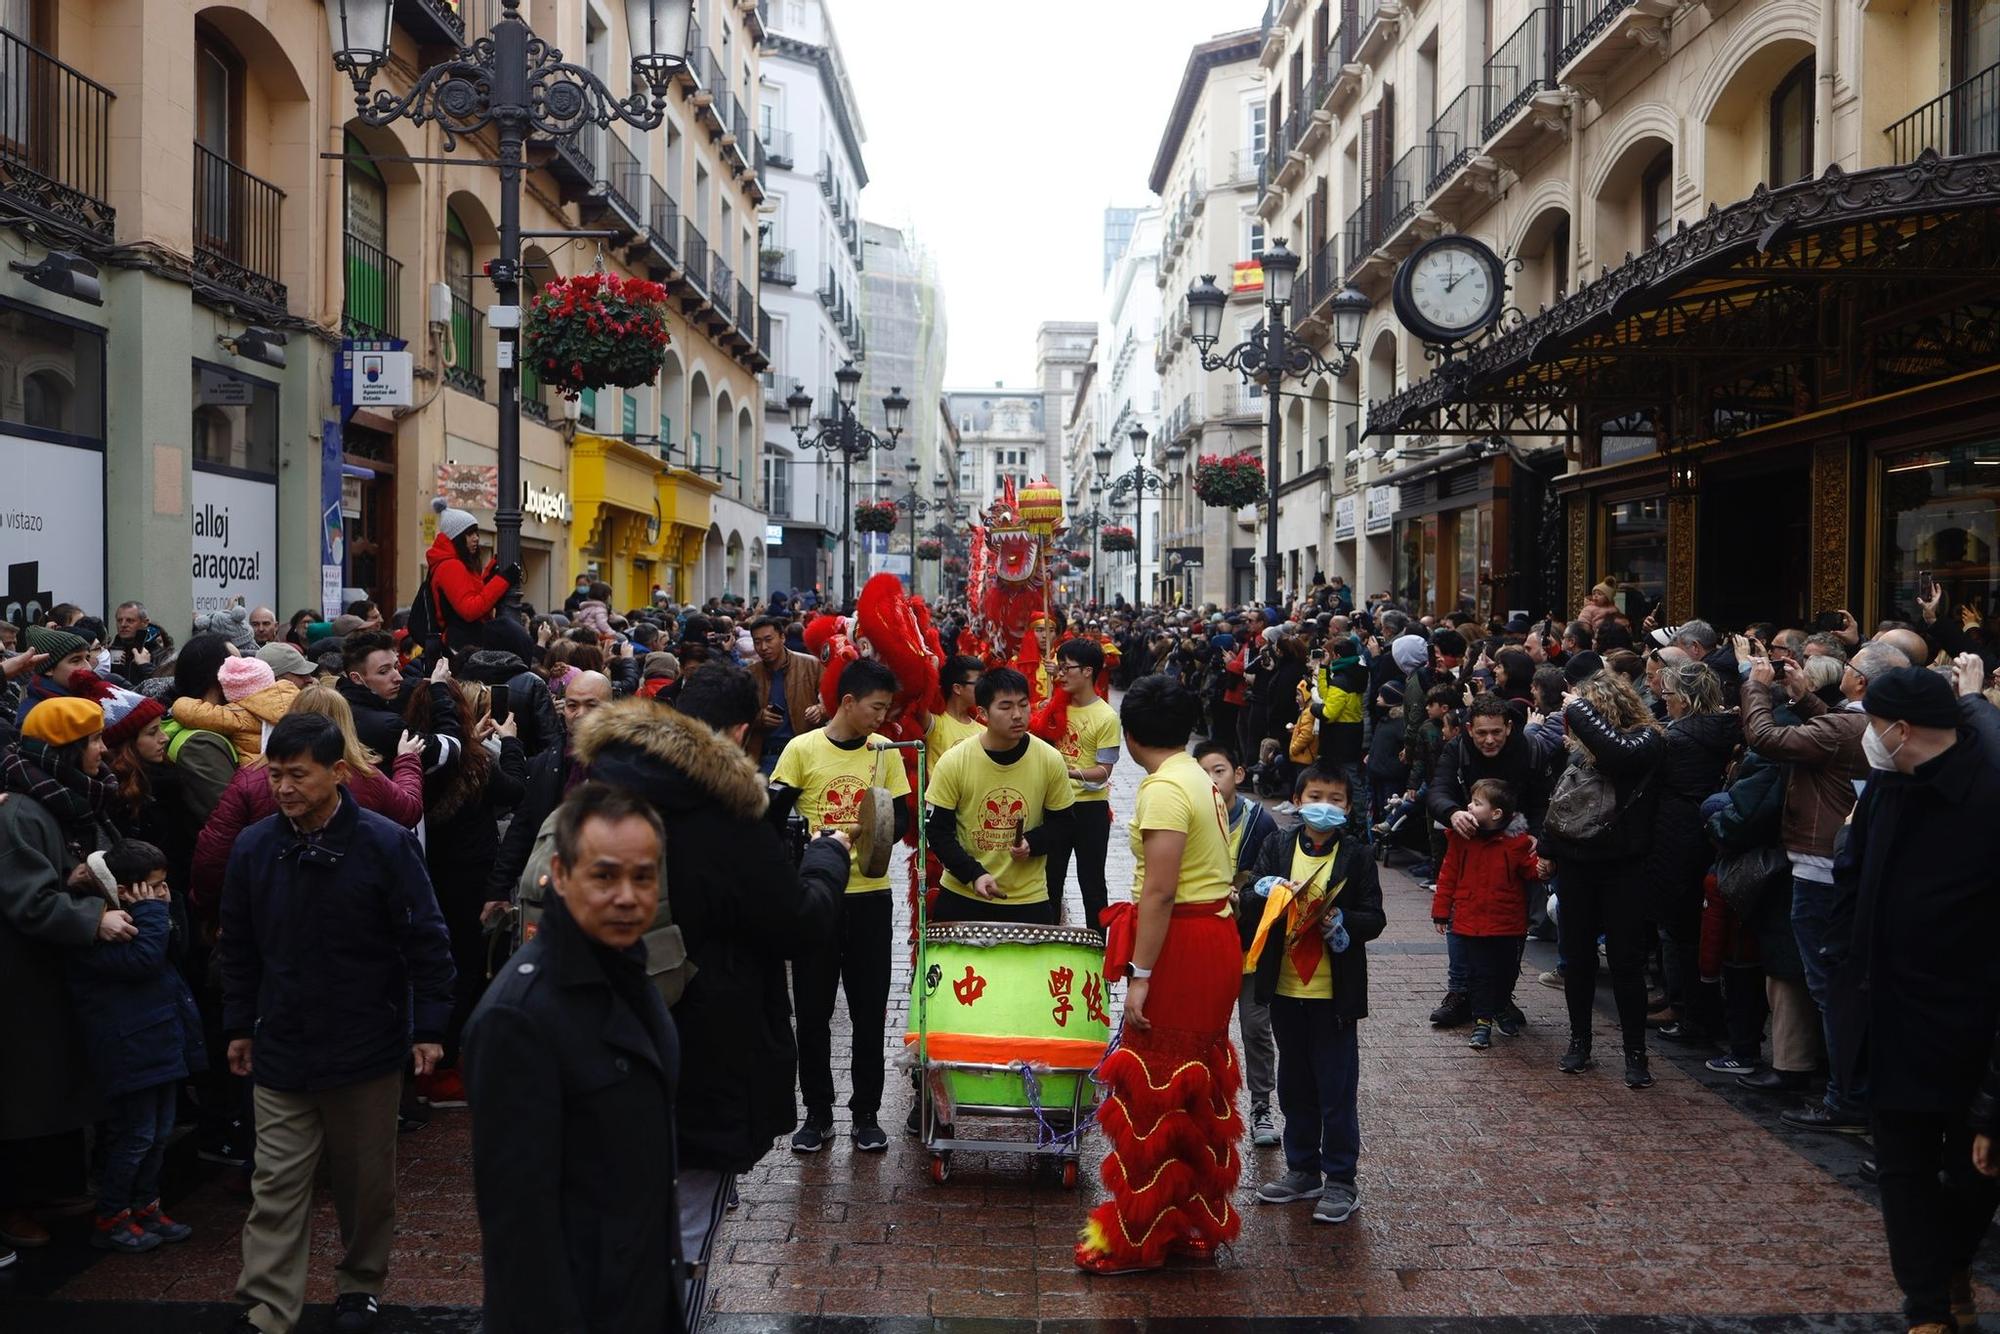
x=552, y=775
x=574, y=1067
x=378, y=693
x=1921, y=979
x=742, y=908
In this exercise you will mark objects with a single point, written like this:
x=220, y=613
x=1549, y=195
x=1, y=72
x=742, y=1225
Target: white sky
x=1002, y=132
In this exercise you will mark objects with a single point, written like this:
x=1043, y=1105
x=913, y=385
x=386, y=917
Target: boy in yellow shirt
x=825, y=771
x=1089, y=746
x=998, y=804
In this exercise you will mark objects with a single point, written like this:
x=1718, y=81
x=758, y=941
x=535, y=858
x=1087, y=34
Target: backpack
x=422, y=624
x=667, y=963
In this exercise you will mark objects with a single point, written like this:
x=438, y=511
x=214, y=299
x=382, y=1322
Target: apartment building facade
x=1206, y=174
x=208, y=160
x=813, y=260
x=1740, y=330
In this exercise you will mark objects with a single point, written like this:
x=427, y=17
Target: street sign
x=380, y=379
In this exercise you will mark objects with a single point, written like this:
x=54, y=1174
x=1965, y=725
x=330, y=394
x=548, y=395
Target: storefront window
x=1938, y=523
x=235, y=420
x=56, y=375
x=1469, y=549
x=1635, y=554
x=1416, y=563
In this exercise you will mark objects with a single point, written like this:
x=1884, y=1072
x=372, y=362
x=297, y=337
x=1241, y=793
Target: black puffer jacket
x=1630, y=760
x=1692, y=763
x=528, y=700
x=742, y=909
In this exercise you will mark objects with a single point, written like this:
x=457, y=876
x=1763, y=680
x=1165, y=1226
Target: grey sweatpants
x=1260, y=1052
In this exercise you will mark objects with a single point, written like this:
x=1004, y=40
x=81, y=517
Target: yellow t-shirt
x=945, y=732
x=1179, y=795
x=1091, y=729
x=831, y=779
x=991, y=798
x=1312, y=872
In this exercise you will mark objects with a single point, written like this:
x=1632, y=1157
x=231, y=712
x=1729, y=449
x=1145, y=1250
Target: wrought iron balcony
x=432, y=22
x=663, y=223
x=778, y=148
x=373, y=305
x=721, y=282
x=1964, y=119
x=55, y=138
x=746, y=313
x=237, y=222
x=466, y=371
x=778, y=265
x=1519, y=67
x=694, y=256
x=1243, y=164
x=1360, y=233
x=625, y=182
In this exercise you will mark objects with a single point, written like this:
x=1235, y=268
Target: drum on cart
x=1014, y=1018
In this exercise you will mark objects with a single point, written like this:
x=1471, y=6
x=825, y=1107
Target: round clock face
x=1448, y=288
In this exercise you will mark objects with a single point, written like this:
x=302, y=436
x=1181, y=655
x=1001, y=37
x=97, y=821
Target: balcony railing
x=694, y=255
x=721, y=282
x=1399, y=193
x=1964, y=119
x=1243, y=164
x=1583, y=22
x=1518, y=69
x=1456, y=134
x=663, y=221
x=237, y=222
x=764, y=332
x=466, y=369
x=625, y=182
x=55, y=138
x=746, y=311
x=778, y=148
x=778, y=265
x=373, y=307
x=1360, y=233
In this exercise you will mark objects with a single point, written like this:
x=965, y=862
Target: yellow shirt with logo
x=831, y=778
x=991, y=799
x=1309, y=874
x=1180, y=796
x=945, y=732
x=1092, y=728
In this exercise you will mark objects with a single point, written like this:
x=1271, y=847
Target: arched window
x=1792, y=125
x=466, y=370
x=45, y=401
x=366, y=223
x=1656, y=200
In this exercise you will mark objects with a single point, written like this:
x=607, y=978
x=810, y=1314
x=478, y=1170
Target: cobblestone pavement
x=1492, y=1187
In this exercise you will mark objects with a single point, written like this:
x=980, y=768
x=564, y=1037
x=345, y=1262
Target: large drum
x=998, y=994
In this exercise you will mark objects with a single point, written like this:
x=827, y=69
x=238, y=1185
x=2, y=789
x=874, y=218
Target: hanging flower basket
x=875, y=516
x=1079, y=559
x=1061, y=568
x=1117, y=538
x=1229, y=480
x=597, y=329
x=929, y=549
x=954, y=565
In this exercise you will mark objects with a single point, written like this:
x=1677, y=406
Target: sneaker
x=735, y=1200
x=355, y=1312
x=1337, y=1203
x=117, y=1232
x=813, y=1134
x=1510, y=1025
x=913, y=1124
x=1729, y=1065
x=1686, y=1034
x=1819, y=1116
x=1289, y=1187
x=1638, y=1074
x=447, y=1089
x=8, y=1255
x=1263, y=1128
x=869, y=1136
x=161, y=1226
x=1577, y=1059
x=1453, y=1010
x=1552, y=979
x=1482, y=1036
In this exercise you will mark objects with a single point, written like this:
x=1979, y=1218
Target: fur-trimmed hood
x=676, y=761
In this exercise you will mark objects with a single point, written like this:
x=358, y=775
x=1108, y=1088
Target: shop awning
x=1845, y=286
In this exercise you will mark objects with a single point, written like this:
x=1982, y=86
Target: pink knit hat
x=242, y=677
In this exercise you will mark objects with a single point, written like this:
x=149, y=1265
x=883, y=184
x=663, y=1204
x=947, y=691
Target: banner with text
x=51, y=528
x=235, y=541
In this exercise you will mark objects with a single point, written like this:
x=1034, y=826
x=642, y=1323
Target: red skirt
x=1170, y=1106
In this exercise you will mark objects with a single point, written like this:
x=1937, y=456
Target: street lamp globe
x=847, y=381
x=1096, y=492
x=894, y=408
x=1350, y=308
x=1138, y=434
x=1176, y=451
x=1205, y=303
x=939, y=486
x=1281, y=269
x=1101, y=456
x=360, y=33
x=659, y=36
x=911, y=468
x=800, y=405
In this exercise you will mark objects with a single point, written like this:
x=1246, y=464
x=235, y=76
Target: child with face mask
x=1482, y=898
x=1316, y=901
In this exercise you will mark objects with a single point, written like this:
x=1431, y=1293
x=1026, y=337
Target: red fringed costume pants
x=1170, y=1106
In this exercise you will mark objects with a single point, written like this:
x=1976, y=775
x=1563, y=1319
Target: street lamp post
x=1136, y=481
x=1270, y=355
x=520, y=85
x=844, y=434
x=1094, y=519
x=912, y=503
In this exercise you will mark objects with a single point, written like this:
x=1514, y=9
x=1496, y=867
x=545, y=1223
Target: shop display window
x=1940, y=511
x=1635, y=554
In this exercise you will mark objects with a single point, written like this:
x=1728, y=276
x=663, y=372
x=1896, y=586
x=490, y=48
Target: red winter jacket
x=1482, y=886
x=468, y=597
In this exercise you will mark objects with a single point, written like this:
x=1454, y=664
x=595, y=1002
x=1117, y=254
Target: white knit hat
x=452, y=522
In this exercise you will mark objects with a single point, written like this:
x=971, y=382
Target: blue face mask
x=1322, y=816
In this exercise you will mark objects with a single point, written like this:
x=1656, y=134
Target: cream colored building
x=207, y=159
x=1205, y=173
x=1661, y=407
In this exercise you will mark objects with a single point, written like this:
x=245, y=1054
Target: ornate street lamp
x=911, y=502
x=1269, y=356
x=844, y=434
x=1135, y=481
x=518, y=84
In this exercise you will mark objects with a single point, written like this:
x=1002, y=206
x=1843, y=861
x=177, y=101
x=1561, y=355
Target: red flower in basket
x=1116, y=537
x=1229, y=481
x=597, y=329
